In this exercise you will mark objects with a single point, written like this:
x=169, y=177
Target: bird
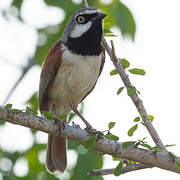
x=69, y=74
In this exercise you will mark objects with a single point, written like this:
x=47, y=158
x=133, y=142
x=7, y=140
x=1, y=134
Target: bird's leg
x=74, y=106
x=88, y=126
x=59, y=122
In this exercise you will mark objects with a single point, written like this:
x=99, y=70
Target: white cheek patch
x=80, y=29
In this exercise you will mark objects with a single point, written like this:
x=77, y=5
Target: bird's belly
x=74, y=79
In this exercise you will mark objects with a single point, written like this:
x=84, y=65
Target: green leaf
x=101, y=154
x=110, y=35
x=137, y=71
x=2, y=122
x=33, y=101
x=146, y=146
x=128, y=144
x=113, y=72
x=170, y=145
x=132, y=130
x=157, y=149
x=71, y=116
x=16, y=110
x=131, y=91
x=172, y=154
x=132, y=162
x=151, y=117
x=117, y=170
x=81, y=149
x=115, y=158
x=107, y=31
x=17, y=3
x=120, y=90
x=32, y=109
x=89, y=143
x=62, y=116
x=125, y=63
x=8, y=106
x=72, y=144
x=137, y=119
x=138, y=91
x=111, y=136
x=177, y=163
x=111, y=125
x=114, y=137
x=49, y=115
x=85, y=162
x=122, y=17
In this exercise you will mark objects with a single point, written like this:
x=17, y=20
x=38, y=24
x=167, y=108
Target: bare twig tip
x=85, y=3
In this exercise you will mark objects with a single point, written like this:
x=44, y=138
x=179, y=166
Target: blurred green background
x=119, y=16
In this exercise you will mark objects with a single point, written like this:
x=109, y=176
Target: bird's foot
x=61, y=124
x=89, y=128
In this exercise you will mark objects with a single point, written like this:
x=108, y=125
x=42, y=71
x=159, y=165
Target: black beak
x=99, y=16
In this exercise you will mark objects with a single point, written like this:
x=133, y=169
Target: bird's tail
x=56, y=159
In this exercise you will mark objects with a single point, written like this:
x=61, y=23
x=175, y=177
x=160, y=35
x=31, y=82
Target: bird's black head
x=84, y=32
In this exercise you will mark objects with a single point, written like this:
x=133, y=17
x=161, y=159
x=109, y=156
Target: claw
x=61, y=124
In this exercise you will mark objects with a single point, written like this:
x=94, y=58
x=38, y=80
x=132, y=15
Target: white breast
x=75, y=78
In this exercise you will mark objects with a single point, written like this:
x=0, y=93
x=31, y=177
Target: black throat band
x=89, y=43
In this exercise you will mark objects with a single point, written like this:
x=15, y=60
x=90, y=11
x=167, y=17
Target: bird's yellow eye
x=80, y=19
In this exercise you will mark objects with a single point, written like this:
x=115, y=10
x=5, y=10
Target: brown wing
x=100, y=70
x=50, y=67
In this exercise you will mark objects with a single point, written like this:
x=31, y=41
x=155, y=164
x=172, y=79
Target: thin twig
x=85, y=3
x=24, y=72
x=113, y=51
x=9, y=62
x=129, y=168
x=135, y=98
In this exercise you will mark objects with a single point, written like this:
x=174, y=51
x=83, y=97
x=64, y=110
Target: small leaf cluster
x=49, y=115
x=110, y=135
x=126, y=64
x=118, y=169
x=108, y=33
x=177, y=163
x=29, y=109
x=135, y=127
x=144, y=144
x=131, y=91
x=107, y=134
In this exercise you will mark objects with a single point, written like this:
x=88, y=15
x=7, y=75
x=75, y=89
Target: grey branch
x=4, y=60
x=128, y=168
x=149, y=158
